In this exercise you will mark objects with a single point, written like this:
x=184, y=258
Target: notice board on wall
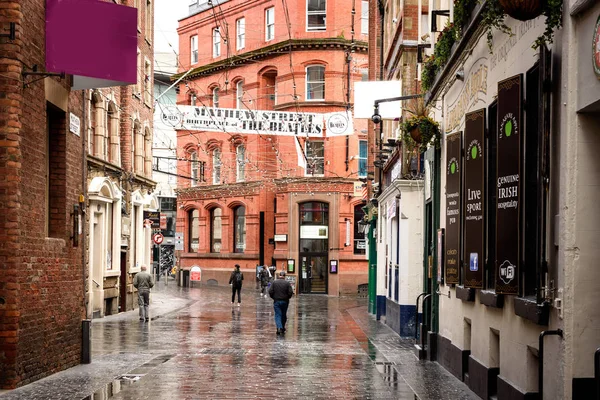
x=474, y=199
x=453, y=208
x=508, y=205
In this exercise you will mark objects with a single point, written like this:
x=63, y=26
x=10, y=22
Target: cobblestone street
x=198, y=346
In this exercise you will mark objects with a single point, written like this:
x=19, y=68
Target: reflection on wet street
x=219, y=351
x=197, y=346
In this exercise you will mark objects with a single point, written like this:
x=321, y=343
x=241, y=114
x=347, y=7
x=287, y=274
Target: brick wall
x=40, y=323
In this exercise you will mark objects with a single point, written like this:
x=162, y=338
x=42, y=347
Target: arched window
x=239, y=94
x=315, y=82
x=215, y=93
x=239, y=229
x=215, y=230
x=240, y=157
x=216, y=166
x=193, y=218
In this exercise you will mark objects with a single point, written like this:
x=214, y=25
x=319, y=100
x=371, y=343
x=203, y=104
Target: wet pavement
x=197, y=346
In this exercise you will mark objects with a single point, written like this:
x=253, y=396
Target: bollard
x=86, y=341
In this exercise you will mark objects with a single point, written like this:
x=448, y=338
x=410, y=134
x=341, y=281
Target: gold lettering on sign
x=475, y=83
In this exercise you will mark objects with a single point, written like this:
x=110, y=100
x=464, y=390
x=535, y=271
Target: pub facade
x=514, y=261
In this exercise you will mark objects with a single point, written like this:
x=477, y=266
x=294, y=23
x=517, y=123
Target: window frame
x=236, y=229
x=216, y=44
x=319, y=12
x=269, y=25
x=307, y=150
x=240, y=33
x=364, y=17
x=213, y=238
x=216, y=167
x=240, y=165
x=362, y=160
x=308, y=82
x=191, y=218
x=194, y=49
x=194, y=168
x=215, y=97
x=239, y=94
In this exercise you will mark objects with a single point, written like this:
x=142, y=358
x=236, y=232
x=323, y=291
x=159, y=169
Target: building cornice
x=275, y=49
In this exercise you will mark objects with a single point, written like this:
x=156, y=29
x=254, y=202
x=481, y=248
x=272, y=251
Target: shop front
x=495, y=112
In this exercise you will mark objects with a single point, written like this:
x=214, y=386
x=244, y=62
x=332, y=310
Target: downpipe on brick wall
x=543, y=334
x=86, y=324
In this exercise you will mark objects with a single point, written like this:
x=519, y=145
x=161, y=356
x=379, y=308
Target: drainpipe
x=557, y=332
x=86, y=324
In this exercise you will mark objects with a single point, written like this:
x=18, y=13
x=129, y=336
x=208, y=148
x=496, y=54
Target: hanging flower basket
x=422, y=130
x=523, y=10
x=415, y=134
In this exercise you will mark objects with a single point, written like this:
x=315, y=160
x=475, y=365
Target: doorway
x=314, y=247
x=313, y=270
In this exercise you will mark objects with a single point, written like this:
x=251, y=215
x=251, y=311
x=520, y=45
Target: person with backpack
x=265, y=278
x=235, y=281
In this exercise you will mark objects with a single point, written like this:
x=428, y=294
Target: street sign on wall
x=453, y=199
x=474, y=199
x=508, y=185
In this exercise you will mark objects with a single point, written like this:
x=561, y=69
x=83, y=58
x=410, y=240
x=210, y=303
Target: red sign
x=596, y=48
x=195, y=274
x=158, y=238
x=163, y=221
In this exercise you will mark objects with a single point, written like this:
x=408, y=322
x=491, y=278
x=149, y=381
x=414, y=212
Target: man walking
x=235, y=280
x=143, y=283
x=281, y=292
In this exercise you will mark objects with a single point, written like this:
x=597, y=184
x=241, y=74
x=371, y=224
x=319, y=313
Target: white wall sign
x=178, y=241
x=264, y=122
x=314, y=232
x=74, y=124
x=280, y=238
x=347, y=242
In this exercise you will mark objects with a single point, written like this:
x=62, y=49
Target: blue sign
x=474, y=264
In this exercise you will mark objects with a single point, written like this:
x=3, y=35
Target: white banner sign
x=262, y=122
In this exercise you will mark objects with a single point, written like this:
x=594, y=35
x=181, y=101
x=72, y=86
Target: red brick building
x=41, y=173
x=45, y=274
x=257, y=197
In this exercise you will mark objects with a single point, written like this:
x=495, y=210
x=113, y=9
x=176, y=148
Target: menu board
x=453, y=209
x=474, y=199
x=508, y=186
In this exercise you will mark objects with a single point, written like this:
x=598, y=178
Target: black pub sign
x=508, y=186
x=474, y=199
x=453, y=197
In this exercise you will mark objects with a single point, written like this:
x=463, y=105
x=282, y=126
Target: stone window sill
x=491, y=299
x=528, y=308
x=465, y=294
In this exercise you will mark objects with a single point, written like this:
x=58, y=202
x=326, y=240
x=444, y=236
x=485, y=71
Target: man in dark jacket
x=281, y=292
x=235, y=280
x=143, y=283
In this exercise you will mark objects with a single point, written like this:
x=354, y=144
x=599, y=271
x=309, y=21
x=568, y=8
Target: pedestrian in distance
x=235, y=281
x=265, y=278
x=143, y=283
x=281, y=292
